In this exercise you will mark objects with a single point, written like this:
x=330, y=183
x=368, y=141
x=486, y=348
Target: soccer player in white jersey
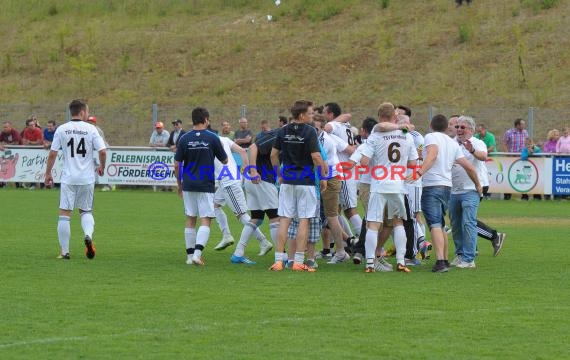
x=417, y=242
x=230, y=192
x=339, y=125
x=440, y=153
x=392, y=152
x=78, y=140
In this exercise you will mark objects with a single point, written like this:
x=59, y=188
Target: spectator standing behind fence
x=563, y=144
x=159, y=136
x=265, y=127
x=175, y=134
x=48, y=133
x=9, y=135
x=552, y=137
x=487, y=137
x=243, y=137
x=514, y=138
x=32, y=135
x=227, y=130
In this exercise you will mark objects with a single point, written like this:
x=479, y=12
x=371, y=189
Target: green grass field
x=138, y=298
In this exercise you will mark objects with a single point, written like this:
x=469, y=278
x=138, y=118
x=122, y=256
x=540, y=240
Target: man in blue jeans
x=465, y=200
x=440, y=153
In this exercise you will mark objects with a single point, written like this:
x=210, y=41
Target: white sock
x=299, y=257
x=280, y=256
x=370, y=245
x=400, y=243
x=356, y=222
x=202, y=236
x=273, y=230
x=222, y=220
x=248, y=229
x=64, y=233
x=345, y=225
x=245, y=219
x=190, y=238
x=88, y=223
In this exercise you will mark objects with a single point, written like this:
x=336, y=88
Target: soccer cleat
x=227, y=240
x=302, y=267
x=321, y=255
x=382, y=265
x=265, y=247
x=440, y=267
x=402, y=268
x=241, y=260
x=447, y=229
x=413, y=262
x=456, y=260
x=89, y=248
x=277, y=266
x=312, y=264
x=424, y=248
x=337, y=259
x=357, y=259
x=466, y=265
x=64, y=256
x=498, y=243
x=198, y=260
x=369, y=270
x=189, y=260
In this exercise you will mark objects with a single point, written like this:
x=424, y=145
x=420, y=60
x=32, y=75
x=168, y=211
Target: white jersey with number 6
x=77, y=140
x=390, y=152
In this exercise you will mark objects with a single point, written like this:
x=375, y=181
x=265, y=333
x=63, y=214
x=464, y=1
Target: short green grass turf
x=138, y=298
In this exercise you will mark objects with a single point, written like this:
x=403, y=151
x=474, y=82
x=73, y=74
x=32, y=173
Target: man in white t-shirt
x=464, y=200
x=392, y=153
x=440, y=153
x=78, y=140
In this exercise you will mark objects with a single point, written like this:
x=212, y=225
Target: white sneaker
x=336, y=259
x=265, y=247
x=456, y=260
x=189, y=260
x=382, y=265
x=466, y=265
x=227, y=240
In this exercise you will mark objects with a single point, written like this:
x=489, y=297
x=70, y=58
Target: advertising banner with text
x=511, y=175
x=123, y=167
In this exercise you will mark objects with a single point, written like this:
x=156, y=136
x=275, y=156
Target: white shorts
x=233, y=196
x=414, y=198
x=76, y=196
x=198, y=204
x=348, y=190
x=298, y=201
x=262, y=196
x=386, y=206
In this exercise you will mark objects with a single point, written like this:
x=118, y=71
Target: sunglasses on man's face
x=461, y=127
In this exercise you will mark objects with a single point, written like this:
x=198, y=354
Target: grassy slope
x=138, y=299
x=356, y=52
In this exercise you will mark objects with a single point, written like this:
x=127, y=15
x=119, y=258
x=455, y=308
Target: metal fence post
x=530, y=122
x=154, y=114
x=243, y=111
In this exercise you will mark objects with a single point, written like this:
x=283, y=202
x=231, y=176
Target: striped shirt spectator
x=514, y=138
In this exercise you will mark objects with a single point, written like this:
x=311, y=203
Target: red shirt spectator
x=32, y=135
x=9, y=135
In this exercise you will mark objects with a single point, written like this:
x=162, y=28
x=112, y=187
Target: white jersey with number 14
x=77, y=140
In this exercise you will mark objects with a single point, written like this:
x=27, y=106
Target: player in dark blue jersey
x=194, y=169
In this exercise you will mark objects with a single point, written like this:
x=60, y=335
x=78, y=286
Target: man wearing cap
x=175, y=135
x=93, y=121
x=159, y=136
